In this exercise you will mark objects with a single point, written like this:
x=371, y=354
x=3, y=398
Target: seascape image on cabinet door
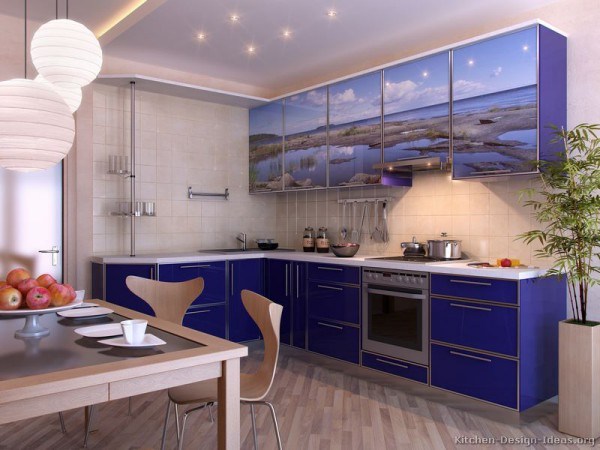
x=266, y=147
x=495, y=105
x=306, y=140
x=355, y=131
x=416, y=105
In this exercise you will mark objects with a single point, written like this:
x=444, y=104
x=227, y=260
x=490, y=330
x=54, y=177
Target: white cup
x=134, y=330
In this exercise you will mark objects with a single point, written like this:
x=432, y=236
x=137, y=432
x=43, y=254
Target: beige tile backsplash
x=486, y=216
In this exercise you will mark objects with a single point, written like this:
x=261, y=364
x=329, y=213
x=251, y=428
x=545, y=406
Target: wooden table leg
x=229, y=405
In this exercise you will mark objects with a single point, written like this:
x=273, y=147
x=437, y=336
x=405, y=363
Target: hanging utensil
x=376, y=236
x=343, y=229
x=384, y=232
x=362, y=221
x=354, y=234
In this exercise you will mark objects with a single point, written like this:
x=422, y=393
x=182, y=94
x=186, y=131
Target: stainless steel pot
x=414, y=248
x=444, y=248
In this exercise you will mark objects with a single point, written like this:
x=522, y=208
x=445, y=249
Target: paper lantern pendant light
x=72, y=96
x=66, y=53
x=36, y=127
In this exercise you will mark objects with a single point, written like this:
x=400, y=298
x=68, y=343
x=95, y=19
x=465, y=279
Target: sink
x=230, y=250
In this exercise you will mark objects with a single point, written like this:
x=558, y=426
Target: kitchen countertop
x=452, y=268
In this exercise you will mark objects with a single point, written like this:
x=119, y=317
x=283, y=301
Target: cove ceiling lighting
x=36, y=127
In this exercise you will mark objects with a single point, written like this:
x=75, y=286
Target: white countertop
x=452, y=268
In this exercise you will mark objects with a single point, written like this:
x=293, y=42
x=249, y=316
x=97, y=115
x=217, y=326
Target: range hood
x=409, y=165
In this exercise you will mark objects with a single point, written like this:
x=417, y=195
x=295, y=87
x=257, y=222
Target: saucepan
x=444, y=248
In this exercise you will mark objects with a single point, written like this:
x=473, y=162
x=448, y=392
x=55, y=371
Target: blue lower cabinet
x=335, y=302
x=243, y=274
x=395, y=367
x=333, y=339
x=213, y=273
x=475, y=374
x=479, y=326
x=333, y=273
x=487, y=289
x=117, y=291
x=208, y=319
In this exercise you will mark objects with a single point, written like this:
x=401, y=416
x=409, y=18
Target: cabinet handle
x=198, y=312
x=330, y=326
x=195, y=266
x=286, y=279
x=152, y=273
x=391, y=363
x=478, y=358
x=456, y=305
x=297, y=281
x=329, y=287
x=231, y=275
x=336, y=269
x=478, y=283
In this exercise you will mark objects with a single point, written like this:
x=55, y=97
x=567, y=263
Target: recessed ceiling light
x=525, y=47
x=471, y=62
x=251, y=49
x=286, y=34
x=201, y=36
x=425, y=74
x=332, y=13
x=234, y=18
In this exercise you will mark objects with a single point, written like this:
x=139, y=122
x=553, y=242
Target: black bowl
x=267, y=245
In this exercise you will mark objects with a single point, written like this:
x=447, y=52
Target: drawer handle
x=478, y=283
x=199, y=311
x=329, y=287
x=195, y=266
x=336, y=269
x=330, y=326
x=391, y=363
x=479, y=308
x=478, y=358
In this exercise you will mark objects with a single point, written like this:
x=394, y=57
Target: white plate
x=99, y=331
x=29, y=312
x=149, y=341
x=86, y=313
x=87, y=305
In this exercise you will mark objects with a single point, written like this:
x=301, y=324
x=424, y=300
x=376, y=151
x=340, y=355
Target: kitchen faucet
x=242, y=238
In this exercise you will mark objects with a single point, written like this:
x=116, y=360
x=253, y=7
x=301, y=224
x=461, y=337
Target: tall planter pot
x=579, y=379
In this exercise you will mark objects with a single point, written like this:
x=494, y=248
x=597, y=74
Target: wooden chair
x=169, y=301
x=254, y=387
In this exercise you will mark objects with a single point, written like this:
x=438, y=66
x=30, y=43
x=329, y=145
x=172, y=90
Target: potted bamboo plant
x=567, y=207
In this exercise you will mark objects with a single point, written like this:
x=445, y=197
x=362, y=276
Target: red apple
x=10, y=298
x=3, y=283
x=61, y=294
x=505, y=262
x=26, y=285
x=38, y=298
x=45, y=280
x=15, y=276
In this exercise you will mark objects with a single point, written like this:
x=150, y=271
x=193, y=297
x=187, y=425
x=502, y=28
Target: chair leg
x=62, y=423
x=210, y=413
x=180, y=446
x=164, y=433
x=177, y=422
x=276, y=425
x=254, y=426
x=89, y=425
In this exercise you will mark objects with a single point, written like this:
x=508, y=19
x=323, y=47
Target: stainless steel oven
x=396, y=314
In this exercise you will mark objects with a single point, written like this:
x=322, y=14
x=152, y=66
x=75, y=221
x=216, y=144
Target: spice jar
x=322, y=241
x=308, y=239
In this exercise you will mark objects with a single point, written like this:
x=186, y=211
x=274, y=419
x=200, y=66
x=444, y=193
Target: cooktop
x=416, y=259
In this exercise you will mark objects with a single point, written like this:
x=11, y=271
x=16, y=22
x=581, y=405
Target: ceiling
x=361, y=35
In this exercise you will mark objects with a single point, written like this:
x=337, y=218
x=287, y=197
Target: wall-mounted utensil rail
x=364, y=200
x=192, y=194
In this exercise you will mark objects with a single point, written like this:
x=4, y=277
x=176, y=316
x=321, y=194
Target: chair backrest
x=169, y=301
x=267, y=316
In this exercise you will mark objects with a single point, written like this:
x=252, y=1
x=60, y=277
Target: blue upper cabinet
x=305, y=119
x=266, y=148
x=416, y=106
x=355, y=131
x=507, y=91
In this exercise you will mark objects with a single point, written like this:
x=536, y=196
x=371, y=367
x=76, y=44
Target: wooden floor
x=321, y=404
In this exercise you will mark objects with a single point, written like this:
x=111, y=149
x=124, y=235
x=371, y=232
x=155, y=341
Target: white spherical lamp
x=66, y=53
x=72, y=95
x=36, y=127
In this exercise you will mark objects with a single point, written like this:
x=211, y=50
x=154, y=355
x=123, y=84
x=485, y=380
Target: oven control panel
x=400, y=278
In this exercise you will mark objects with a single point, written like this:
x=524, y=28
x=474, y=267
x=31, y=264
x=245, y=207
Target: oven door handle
x=397, y=294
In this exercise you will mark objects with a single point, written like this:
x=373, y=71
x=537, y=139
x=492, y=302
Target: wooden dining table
x=64, y=370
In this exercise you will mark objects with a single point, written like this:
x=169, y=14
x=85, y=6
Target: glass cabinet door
x=416, y=108
x=494, y=108
x=355, y=131
x=266, y=148
x=305, y=119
